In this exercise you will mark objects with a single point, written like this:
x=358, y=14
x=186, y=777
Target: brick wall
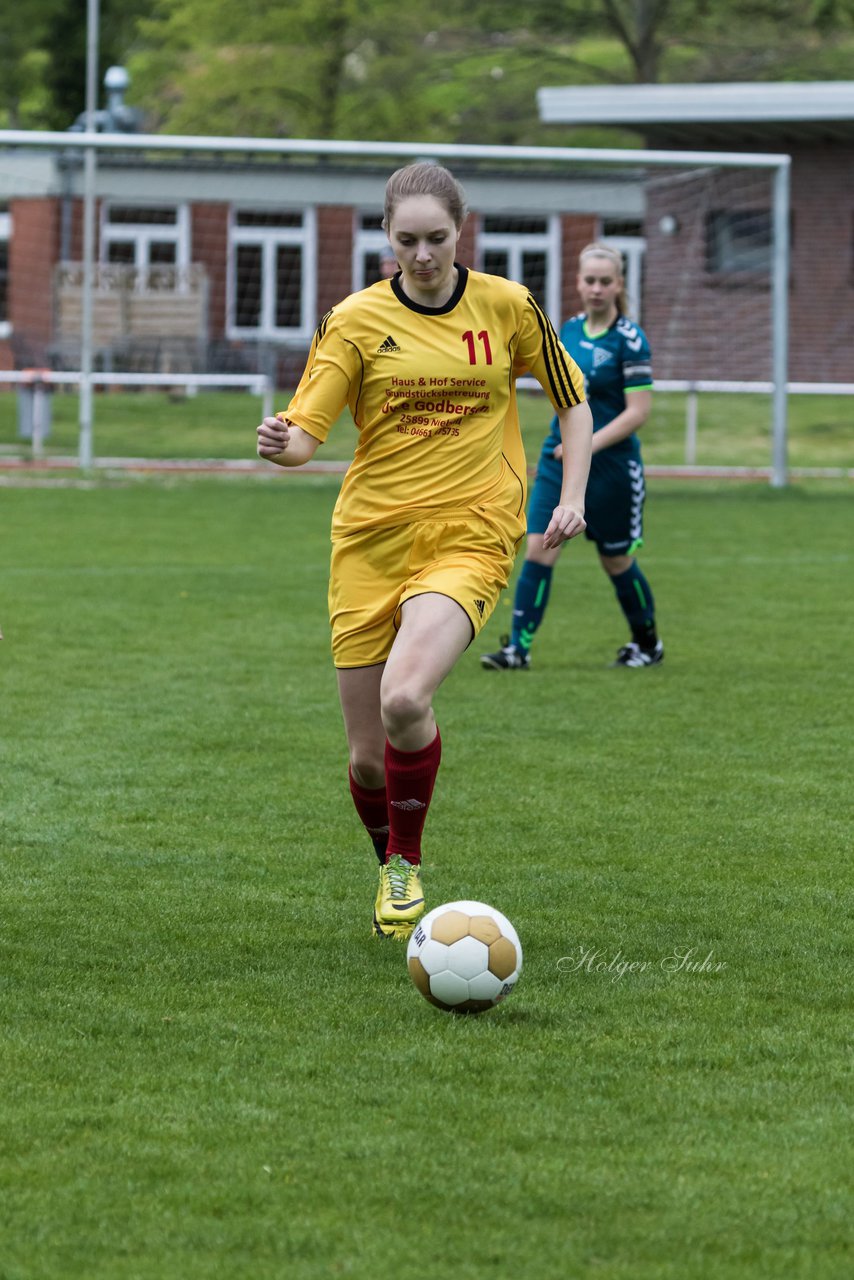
x=821, y=294
x=209, y=246
x=334, y=255
x=467, y=242
x=703, y=323
x=33, y=250
x=707, y=324
x=576, y=231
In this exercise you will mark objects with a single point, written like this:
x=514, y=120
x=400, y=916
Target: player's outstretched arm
x=285, y=443
x=576, y=433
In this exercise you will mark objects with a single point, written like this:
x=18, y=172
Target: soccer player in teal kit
x=613, y=354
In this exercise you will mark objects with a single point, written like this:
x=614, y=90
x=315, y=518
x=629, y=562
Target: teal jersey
x=613, y=362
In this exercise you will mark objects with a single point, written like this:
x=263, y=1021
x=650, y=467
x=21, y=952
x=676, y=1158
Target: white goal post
x=709, y=233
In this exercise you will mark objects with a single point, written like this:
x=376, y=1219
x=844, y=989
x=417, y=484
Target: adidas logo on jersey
x=388, y=346
x=480, y=605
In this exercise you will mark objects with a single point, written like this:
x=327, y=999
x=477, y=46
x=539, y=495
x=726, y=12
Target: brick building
x=221, y=263
x=709, y=235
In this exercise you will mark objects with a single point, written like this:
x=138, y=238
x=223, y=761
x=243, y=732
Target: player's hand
x=273, y=437
x=557, y=452
x=565, y=523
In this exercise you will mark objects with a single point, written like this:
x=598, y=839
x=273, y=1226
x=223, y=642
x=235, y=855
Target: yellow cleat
x=400, y=899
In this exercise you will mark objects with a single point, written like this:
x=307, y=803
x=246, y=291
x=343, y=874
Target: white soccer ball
x=464, y=957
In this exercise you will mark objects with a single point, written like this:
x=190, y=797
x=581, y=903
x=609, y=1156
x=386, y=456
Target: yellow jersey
x=432, y=393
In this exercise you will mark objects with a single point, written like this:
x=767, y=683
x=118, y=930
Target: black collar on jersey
x=462, y=277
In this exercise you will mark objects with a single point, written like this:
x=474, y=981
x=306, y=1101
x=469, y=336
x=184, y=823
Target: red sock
x=409, y=779
x=372, y=808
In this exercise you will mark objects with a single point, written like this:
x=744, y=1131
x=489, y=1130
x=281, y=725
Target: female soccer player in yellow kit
x=432, y=509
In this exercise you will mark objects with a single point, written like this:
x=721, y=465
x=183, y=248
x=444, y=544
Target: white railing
x=692, y=389
x=38, y=382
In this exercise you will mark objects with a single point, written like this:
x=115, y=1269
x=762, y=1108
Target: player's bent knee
x=536, y=552
x=615, y=565
x=367, y=765
x=403, y=706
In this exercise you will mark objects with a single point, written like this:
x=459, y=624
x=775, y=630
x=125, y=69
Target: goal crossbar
x=333, y=147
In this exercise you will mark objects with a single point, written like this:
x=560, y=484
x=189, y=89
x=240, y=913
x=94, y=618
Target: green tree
x=23, y=62
x=374, y=69
x=692, y=40
x=343, y=68
x=266, y=67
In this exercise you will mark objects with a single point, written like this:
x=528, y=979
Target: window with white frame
x=371, y=251
x=524, y=249
x=145, y=236
x=5, y=237
x=271, y=278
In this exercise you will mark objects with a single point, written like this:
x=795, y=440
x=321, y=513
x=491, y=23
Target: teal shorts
x=613, y=503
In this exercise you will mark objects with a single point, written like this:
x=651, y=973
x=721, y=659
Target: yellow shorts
x=373, y=573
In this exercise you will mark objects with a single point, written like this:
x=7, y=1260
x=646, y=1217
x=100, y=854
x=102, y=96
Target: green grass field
x=209, y=1068
x=733, y=430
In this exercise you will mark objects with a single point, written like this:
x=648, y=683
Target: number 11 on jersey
x=483, y=337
